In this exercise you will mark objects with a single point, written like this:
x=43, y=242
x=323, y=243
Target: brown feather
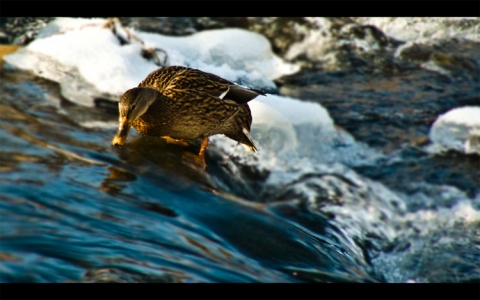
x=187, y=104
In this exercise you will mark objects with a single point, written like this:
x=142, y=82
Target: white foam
x=318, y=44
x=457, y=129
x=99, y=124
x=420, y=29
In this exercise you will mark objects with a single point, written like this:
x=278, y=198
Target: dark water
x=74, y=209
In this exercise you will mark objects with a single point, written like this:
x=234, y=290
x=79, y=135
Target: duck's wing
x=183, y=78
x=217, y=86
x=197, y=108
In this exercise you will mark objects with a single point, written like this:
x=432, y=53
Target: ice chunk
x=457, y=129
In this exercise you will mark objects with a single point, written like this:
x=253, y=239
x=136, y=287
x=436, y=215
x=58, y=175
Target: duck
x=181, y=104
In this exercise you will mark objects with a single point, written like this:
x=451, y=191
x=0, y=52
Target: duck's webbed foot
x=194, y=160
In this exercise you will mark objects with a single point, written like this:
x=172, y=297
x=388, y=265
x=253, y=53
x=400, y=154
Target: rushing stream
x=349, y=184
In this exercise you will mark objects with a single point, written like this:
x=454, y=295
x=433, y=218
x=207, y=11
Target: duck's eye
x=133, y=107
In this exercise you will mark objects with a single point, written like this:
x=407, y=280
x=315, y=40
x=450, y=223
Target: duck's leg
x=203, y=147
x=175, y=141
x=201, y=154
x=199, y=159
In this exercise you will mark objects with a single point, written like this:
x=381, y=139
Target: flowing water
x=380, y=209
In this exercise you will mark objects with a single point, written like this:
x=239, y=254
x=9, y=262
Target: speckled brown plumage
x=183, y=103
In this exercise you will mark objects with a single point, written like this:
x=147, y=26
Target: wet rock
x=454, y=58
x=181, y=26
x=21, y=31
x=329, y=44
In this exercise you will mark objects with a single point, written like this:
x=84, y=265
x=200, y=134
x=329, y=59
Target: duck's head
x=133, y=104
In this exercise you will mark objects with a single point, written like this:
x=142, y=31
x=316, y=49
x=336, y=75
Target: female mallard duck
x=181, y=104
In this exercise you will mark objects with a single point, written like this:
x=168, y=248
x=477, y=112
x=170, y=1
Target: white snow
x=93, y=53
x=457, y=129
x=217, y=51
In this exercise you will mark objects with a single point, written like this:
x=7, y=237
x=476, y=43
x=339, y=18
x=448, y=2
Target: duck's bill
x=119, y=140
x=121, y=137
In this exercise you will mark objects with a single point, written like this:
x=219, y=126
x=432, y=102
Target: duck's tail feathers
x=250, y=143
x=240, y=94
